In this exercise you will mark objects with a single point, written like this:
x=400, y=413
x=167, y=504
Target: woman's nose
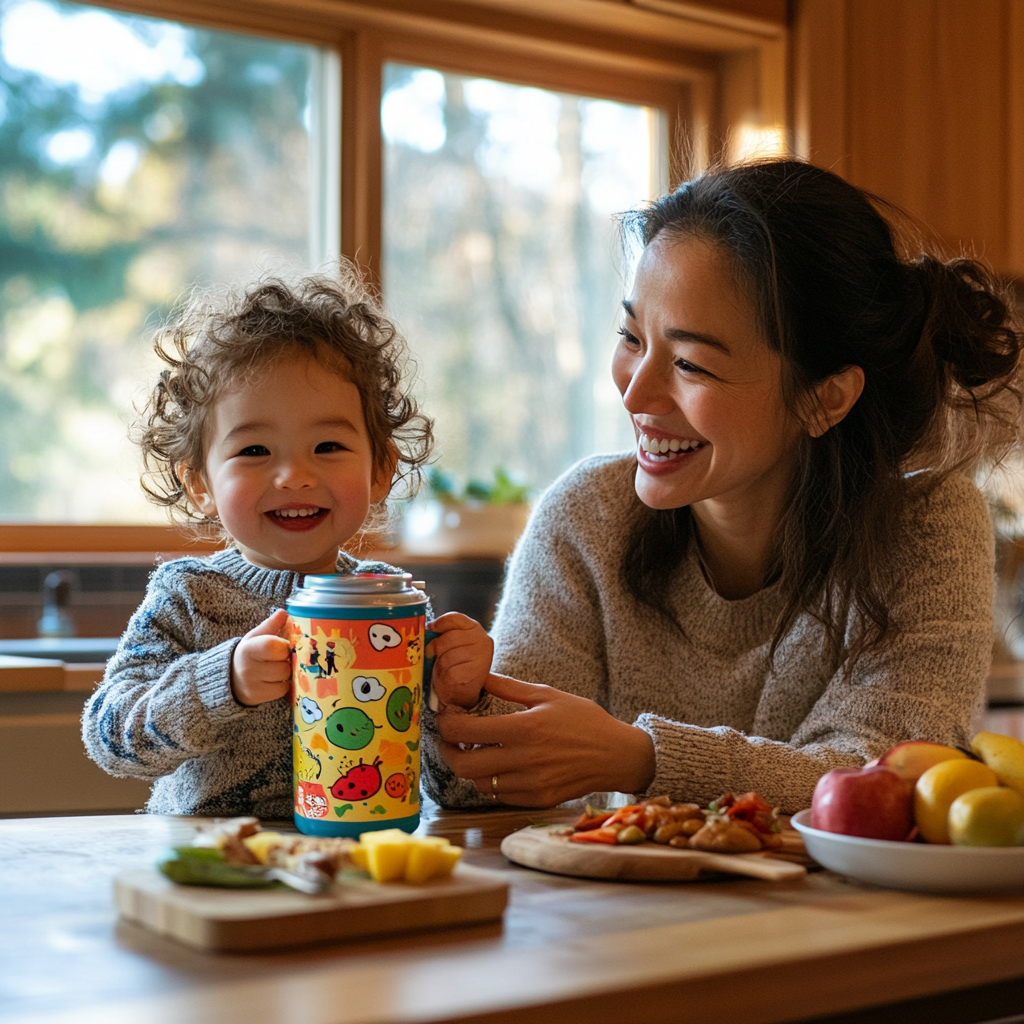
x=647, y=390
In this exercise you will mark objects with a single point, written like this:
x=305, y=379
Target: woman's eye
x=328, y=446
x=628, y=338
x=255, y=449
x=687, y=367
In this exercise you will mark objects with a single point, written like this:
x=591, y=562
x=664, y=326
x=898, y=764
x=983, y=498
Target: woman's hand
x=462, y=656
x=560, y=748
x=261, y=666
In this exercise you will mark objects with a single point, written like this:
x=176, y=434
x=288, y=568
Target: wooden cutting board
x=251, y=919
x=546, y=849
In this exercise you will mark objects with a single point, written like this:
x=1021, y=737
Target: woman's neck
x=736, y=551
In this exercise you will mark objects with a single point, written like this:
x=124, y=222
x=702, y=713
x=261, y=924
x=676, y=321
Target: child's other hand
x=462, y=659
x=261, y=667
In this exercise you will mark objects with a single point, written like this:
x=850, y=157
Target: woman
x=792, y=572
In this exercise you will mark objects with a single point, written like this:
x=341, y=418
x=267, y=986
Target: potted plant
x=482, y=519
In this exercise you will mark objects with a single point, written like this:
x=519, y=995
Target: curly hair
x=210, y=345
x=834, y=286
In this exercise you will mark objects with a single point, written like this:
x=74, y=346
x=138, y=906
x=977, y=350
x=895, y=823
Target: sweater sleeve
x=925, y=681
x=163, y=700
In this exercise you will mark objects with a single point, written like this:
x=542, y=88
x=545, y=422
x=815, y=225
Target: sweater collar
x=276, y=584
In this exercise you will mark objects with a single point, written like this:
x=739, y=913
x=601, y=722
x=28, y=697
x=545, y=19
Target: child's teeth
x=291, y=513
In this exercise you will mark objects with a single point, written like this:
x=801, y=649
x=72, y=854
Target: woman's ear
x=198, y=493
x=833, y=398
x=384, y=474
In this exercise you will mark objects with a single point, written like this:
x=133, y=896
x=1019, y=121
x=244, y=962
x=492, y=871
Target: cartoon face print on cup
x=367, y=688
x=400, y=708
x=397, y=786
x=358, y=783
x=349, y=728
x=383, y=636
x=310, y=710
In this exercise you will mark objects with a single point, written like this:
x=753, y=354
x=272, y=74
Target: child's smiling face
x=289, y=466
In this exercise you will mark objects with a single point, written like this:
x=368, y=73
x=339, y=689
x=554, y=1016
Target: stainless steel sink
x=76, y=649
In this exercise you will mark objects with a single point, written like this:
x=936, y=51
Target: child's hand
x=261, y=666
x=462, y=659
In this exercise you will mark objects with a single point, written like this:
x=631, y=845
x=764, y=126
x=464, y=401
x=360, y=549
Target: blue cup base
x=352, y=829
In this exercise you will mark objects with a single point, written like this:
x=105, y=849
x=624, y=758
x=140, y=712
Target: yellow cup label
x=356, y=696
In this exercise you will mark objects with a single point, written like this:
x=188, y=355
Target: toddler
x=281, y=421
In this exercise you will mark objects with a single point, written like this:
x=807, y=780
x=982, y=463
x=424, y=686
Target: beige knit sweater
x=721, y=716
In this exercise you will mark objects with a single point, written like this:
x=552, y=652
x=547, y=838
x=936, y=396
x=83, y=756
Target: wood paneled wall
x=921, y=102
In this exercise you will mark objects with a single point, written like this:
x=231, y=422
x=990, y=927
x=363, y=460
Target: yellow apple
x=992, y=816
x=939, y=787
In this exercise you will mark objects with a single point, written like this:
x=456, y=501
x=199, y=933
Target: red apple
x=870, y=802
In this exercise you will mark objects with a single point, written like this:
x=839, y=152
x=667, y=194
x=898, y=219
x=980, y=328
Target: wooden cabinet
x=922, y=103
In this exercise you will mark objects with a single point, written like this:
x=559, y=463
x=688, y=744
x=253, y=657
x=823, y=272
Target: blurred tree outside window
x=138, y=158
x=502, y=262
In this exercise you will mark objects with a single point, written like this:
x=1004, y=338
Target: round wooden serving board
x=547, y=848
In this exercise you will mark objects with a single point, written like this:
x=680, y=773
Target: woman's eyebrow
x=678, y=334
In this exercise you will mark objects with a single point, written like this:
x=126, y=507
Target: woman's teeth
x=292, y=513
x=663, y=450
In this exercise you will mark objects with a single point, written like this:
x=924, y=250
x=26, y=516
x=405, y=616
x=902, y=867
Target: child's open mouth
x=301, y=517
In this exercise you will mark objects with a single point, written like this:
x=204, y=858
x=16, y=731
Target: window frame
x=709, y=70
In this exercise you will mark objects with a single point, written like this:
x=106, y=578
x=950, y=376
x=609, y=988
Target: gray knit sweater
x=721, y=716
x=165, y=710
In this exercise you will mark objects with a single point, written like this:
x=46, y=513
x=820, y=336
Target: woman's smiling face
x=702, y=387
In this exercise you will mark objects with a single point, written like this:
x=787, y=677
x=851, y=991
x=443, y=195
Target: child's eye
x=328, y=446
x=628, y=338
x=255, y=449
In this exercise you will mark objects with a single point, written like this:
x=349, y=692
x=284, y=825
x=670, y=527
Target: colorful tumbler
x=357, y=686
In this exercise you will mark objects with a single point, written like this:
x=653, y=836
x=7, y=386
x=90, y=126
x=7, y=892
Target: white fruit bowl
x=914, y=865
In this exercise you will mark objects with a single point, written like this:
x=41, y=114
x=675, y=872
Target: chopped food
x=392, y=855
x=730, y=824
x=237, y=853
x=724, y=836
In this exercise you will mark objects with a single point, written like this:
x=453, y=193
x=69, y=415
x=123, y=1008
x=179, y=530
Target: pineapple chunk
x=261, y=843
x=386, y=856
x=431, y=857
x=384, y=835
x=392, y=855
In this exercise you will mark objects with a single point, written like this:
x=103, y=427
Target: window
x=501, y=260
x=138, y=156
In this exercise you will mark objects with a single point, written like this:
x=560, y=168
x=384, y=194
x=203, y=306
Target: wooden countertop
x=717, y=952
x=33, y=675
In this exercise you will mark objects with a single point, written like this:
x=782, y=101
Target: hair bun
x=966, y=322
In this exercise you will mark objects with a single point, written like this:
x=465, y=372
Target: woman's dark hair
x=210, y=344
x=832, y=288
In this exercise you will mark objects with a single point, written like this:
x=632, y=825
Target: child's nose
x=295, y=473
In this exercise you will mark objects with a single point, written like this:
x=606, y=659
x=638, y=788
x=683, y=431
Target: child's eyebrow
x=255, y=425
